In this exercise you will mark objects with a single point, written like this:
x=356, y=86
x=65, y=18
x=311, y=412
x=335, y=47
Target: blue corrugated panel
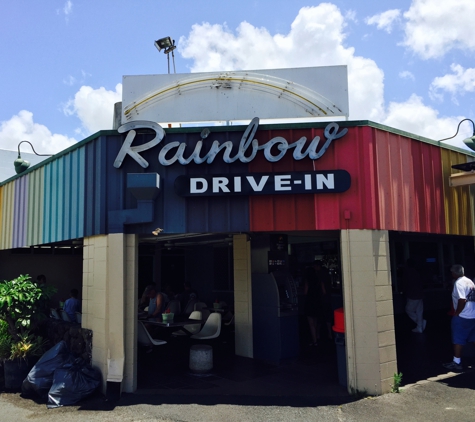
x=95, y=187
x=174, y=213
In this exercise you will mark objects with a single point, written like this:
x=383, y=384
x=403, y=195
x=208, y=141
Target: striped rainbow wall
x=399, y=183
x=45, y=205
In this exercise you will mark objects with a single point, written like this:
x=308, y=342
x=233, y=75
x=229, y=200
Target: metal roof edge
x=236, y=128
x=61, y=153
x=308, y=125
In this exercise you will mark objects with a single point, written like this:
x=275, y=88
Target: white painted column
x=368, y=305
x=109, y=305
x=242, y=296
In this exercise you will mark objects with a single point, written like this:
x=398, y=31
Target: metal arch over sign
x=237, y=95
x=247, y=150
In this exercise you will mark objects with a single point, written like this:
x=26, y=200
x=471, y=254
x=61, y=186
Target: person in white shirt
x=463, y=321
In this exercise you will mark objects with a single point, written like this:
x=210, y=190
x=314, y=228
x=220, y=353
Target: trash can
x=339, y=331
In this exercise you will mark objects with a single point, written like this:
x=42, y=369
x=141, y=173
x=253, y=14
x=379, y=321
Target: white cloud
x=384, y=20
x=70, y=80
x=21, y=127
x=94, y=107
x=434, y=27
x=315, y=38
x=414, y=116
x=459, y=82
x=405, y=74
x=68, y=8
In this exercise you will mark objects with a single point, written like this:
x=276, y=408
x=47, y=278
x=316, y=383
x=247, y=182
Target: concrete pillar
x=368, y=304
x=242, y=295
x=109, y=305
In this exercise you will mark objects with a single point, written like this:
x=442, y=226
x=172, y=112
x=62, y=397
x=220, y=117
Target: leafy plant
x=28, y=345
x=5, y=341
x=397, y=380
x=22, y=305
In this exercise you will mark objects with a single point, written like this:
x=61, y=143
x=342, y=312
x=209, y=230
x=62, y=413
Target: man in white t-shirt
x=463, y=321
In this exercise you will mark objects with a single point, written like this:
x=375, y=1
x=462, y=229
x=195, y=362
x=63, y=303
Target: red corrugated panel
x=429, y=193
x=353, y=152
x=396, y=185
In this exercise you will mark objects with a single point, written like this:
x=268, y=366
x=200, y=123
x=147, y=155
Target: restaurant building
x=223, y=207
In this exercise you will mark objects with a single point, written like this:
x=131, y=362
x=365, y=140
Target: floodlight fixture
x=20, y=164
x=470, y=142
x=168, y=46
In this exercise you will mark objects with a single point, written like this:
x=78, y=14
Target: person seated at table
x=71, y=306
x=145, y=298
x=187, y=295
x=157, y=303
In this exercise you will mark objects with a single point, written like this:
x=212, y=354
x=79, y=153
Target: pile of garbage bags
x=61, y=378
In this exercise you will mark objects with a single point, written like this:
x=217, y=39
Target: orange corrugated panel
x=458, y=201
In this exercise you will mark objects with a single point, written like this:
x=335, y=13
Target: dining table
x=175, y=324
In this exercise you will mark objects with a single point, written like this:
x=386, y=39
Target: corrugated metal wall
x=45, y=205
x=397, y=184
x=458, y=207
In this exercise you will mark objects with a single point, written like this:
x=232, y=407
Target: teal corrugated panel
x=47, y=204
x=78, y=170
x=67, y=194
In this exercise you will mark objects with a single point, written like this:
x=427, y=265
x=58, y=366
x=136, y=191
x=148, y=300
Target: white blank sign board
x=236, y=95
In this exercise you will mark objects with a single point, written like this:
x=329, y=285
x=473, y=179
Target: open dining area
x=307, y=381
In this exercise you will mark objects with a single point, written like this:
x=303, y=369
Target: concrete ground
x=241, y=389
x=445, y=398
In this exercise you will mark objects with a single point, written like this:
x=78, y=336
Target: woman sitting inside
x=157, y=304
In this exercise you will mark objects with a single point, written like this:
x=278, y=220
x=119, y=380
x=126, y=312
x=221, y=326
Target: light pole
x=168, y=46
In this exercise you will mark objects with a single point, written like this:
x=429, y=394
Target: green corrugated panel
x=35, y=207
x=8, y=202
x=1, y=213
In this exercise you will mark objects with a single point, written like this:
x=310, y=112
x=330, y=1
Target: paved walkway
x=445, y=398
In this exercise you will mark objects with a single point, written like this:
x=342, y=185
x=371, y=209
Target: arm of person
x=158, y=309
x=460, y=306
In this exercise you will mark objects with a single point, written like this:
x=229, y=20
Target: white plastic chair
x=174, y=307
x=231, y=321
x=211, y=329
x=192, y=328
x=190, y=307
x=54, y=314
x=78, y=317
x=145, y=339
x=201, y=306
x=65, y=316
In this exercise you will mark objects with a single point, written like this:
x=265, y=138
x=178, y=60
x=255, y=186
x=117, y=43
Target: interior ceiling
x=204, y=238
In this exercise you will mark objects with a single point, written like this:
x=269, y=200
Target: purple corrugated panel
x=20, y=213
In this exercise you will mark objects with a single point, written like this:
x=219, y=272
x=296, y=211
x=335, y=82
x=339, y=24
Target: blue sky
x=411, y=63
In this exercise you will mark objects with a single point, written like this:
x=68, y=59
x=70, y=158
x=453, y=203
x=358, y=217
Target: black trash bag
x=72, y=383
x=40, y=378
